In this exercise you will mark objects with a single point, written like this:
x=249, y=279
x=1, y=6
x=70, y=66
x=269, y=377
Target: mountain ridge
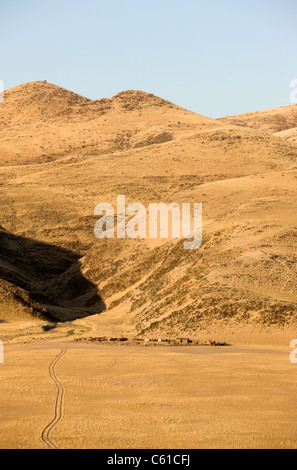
x=243, y=275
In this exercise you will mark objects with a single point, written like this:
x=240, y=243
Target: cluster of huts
x=148, y=341
x=102, y=339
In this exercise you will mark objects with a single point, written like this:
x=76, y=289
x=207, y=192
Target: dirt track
x=45, y=436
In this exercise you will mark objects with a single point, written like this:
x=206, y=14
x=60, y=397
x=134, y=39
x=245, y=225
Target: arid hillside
x=281, y=122
x=62, y=154
x=41, y=122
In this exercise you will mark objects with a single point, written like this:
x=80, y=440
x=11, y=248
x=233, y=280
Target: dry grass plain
x=128, y=397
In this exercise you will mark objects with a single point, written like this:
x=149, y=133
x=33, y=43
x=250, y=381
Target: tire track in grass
x=58, y=414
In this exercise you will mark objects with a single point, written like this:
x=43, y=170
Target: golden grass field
x=123, y=397
x=60, y=155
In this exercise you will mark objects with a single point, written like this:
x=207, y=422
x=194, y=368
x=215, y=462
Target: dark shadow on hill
x=46, y=279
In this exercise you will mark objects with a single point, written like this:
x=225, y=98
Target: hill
x=41, y=122
x=281, y=122
x=151, y=150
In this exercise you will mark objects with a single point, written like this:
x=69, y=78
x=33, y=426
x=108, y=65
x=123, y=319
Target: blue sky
x=215, y=57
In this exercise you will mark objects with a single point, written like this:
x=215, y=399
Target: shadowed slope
x=43, y=280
